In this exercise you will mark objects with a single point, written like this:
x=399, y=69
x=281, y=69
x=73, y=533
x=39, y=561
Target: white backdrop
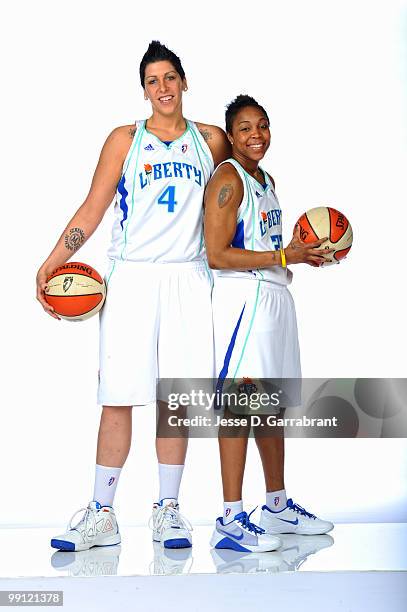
x=333, y=78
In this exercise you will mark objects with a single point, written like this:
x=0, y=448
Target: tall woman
x=158, y=301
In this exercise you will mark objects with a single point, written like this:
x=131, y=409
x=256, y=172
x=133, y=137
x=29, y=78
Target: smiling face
x=250, y=135
x=163, y=86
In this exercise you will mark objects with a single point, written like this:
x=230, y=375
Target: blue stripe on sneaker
x=177, y=543
x=229, y=543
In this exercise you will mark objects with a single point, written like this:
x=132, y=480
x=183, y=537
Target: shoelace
x=170, y=516
x=90, y=514
x=301, y=510
x=244, y=519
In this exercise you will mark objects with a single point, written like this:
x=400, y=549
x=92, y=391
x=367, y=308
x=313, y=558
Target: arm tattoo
x=206, y=134
x=225, y=195
x=132, y=131
x=74, y=239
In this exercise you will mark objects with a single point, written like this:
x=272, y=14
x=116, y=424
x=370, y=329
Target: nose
x=255, y=133
x=162, y=85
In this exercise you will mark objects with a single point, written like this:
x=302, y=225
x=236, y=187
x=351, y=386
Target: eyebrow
x=247, y=121
x=150, y=76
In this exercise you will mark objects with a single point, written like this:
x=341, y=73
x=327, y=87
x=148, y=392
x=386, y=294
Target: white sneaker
x=293, y=519
x=97, y=527
x=243, y=535
x=169, y=527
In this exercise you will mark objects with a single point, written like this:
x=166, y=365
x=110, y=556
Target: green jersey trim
x=248, y=331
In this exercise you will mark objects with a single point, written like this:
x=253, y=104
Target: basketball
x=324, y=221
x=76, y=291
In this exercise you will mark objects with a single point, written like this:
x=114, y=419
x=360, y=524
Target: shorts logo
x=228, y=511
x=276, y=501
x=68, y=280
x=149, y=147
x=246, y=387
x=184, y=148
x=111, y=481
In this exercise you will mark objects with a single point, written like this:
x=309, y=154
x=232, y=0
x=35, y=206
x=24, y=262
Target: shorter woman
x=254, y=319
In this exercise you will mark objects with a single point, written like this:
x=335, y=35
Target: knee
x=116, y=414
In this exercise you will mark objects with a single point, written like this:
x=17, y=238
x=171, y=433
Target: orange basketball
x=76, y=291
x=324, y=221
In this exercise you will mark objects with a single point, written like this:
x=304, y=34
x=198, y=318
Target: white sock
x=106, y=479
x=276, y=500
x=230, y=509
x=170, y=480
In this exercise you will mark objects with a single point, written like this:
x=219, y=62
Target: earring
x=185, y=88
x=145, y=98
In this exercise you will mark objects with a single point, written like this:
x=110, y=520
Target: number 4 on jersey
x=168, y=198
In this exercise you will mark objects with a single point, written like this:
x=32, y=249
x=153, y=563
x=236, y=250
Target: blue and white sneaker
x=242, y=535
x=293, y=519
x=97, y=527
x=169, y=527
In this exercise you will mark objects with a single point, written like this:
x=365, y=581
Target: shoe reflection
x=97, y=561
x=289, y=557
x=170, y=561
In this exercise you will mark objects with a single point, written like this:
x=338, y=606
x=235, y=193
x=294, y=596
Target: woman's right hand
x=306, y=252
x=42, y=276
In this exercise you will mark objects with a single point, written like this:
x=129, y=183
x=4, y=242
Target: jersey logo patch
x=148, y=170
x=149, y=147
x=184, y=148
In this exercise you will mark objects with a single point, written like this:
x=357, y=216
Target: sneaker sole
x=71, y=547
x=272, y=531
x=220, y=541
x=177, y=543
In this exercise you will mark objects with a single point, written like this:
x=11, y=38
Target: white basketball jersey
x=258, y=227
x=159, y=198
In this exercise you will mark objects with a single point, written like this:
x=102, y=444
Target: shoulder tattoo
x=74, y=239
x=132, y=131
x=206, y=134
x=225, y=195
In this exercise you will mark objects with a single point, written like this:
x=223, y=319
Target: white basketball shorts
x=255, y=330
x=156, y=323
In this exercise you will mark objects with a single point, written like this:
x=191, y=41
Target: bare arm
x=223, y=196
x=217, y=141
x=91, y=212
x=222, y=199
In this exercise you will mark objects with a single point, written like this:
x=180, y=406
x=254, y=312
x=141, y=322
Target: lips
x=256, y=147
x=165, y=99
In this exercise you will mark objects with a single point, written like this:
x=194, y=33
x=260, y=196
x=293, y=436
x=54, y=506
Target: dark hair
x=236, y=105
x=157, y=52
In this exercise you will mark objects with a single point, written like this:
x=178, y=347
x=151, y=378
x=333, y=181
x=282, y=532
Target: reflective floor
x=351, y=547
